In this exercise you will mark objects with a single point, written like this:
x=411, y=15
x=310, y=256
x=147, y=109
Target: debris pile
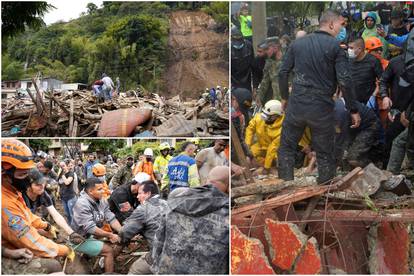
x=80, y=114
x=359, y=223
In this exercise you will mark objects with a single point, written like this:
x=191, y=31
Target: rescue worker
x=211, y=157
x=242, y=59
x=266, y=127
x=18, y=224
x=374, y=46
x=99, y=171
x=320, y=65
x=123, y=200
x=269, y=88
x=219, y=97
x=366, y=70
x=161, y=161
x=246, y=26
x=146, y=165
x=124, y=174
x=198, y=216
x=145, y=220
x=91, y=214
x=362, y=143
x=182, y=170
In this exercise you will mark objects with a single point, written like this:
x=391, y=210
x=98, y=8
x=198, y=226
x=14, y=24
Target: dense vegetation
x=125, y=39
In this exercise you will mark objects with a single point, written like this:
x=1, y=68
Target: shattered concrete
x=286, y=242
x=248, y=256
x=389, y=247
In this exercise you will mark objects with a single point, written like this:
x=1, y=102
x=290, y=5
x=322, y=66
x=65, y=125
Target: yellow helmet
x=17, y=154
x=164, y=146
x=196, y=141
x=99, y=170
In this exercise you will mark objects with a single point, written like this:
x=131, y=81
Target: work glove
x=52, y=230
x=75, y=238
x=71, y=255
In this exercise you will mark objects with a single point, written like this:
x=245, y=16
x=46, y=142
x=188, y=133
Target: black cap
x=243, y=97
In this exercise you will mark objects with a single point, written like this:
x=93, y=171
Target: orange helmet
x=17, y=154
x=372, y=43
x=99, y=170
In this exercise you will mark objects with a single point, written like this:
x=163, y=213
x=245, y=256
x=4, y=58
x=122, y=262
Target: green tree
x=91, y=8
x=17, y=15
x=40, y=144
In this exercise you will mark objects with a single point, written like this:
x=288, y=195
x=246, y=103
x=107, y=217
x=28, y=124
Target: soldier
x=144, y=220
x=269, y=88
x=123, y=175
x=193, y=236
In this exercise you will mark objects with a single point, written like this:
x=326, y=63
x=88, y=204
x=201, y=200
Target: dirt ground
x=198, y=56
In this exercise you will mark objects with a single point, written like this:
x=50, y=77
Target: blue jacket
x=181, y=172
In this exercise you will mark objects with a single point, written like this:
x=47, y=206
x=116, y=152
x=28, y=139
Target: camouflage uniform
x=193, y=237
x=144, y=220
x=269, y=86
x=122, y=176
x=35, y=266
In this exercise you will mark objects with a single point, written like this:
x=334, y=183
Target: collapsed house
x=359, y=223
x=137, y=113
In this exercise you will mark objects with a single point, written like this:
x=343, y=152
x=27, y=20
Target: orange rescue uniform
x=19, y=226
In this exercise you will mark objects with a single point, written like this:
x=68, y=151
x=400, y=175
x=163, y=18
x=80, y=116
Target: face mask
x=21, y=184
x=351, y=53
x=342, y=34
x=130, y=164
x=237, y=45
x=149, y=159
x=232, y=110
x=101, y=178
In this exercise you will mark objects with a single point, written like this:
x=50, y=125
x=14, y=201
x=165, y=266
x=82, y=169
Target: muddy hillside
x=198, y=55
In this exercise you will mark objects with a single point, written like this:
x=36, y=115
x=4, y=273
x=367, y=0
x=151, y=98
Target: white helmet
x=148, y=152
x=272, y=107
x=141, y=177
x=218, y=87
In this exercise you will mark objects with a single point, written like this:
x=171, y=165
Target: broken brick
x=247, y=255
x=285, y=242
x=390, y=245
x=309, y=262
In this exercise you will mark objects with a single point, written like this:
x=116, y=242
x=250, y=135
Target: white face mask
x=351, y=53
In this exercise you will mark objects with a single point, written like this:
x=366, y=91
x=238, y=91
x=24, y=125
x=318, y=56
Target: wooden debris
x=80, y=112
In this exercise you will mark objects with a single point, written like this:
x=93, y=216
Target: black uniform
x=242, y=59
x=120, y=196
x=400, y=97
x=320, y=65
x=363, y=142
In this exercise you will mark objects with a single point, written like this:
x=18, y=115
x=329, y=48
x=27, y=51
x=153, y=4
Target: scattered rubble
x=347, y=226
x=80, y=114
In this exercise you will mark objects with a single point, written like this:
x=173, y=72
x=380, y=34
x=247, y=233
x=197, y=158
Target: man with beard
x=269, y=88
x=124, y=174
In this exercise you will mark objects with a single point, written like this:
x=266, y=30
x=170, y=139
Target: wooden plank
x=238, y=150
x=71, y=119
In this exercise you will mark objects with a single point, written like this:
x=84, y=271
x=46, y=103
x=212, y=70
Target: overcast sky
x=66, y=10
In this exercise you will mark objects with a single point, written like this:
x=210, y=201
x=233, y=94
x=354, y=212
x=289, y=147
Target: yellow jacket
x=268, y=137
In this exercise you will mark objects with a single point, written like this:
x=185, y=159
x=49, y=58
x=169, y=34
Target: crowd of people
x=217, y=97
x=337, y=97
x=177, y=201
